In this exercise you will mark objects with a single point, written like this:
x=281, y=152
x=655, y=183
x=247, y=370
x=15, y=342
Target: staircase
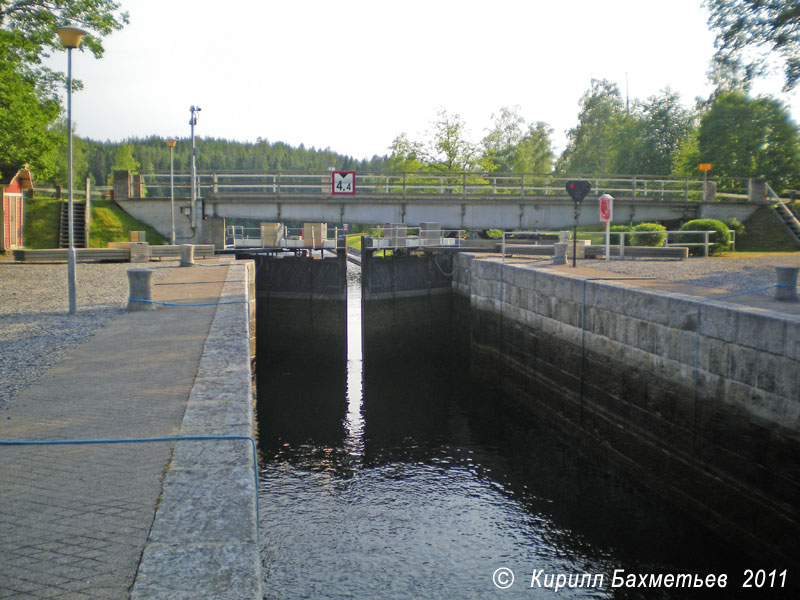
x=787, y=216
x=79, y=219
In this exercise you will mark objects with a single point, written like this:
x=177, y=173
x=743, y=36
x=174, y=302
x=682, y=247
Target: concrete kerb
x=215, y=556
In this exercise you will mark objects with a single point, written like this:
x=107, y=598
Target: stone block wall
x=700, y=400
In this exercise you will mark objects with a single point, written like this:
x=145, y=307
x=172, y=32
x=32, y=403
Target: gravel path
x=736, y=273
x=36, y=329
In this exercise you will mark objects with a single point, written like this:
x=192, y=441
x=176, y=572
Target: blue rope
x=177, y=438
x=186, y=303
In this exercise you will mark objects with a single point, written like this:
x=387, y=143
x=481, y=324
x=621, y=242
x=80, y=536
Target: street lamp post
x=193, y=121
x=70, y=38
x=171, y=143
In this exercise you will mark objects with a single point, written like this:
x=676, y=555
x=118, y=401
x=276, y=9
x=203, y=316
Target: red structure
x=11, y=209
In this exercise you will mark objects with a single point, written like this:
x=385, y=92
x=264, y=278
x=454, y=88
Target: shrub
x=733, y=223
x=655, y=236
x=721, y=238
x=614, y=239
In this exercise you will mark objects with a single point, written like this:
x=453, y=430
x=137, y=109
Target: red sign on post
x=606, y=207
x=343, y=183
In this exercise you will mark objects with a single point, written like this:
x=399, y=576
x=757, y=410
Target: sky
x=352, y=75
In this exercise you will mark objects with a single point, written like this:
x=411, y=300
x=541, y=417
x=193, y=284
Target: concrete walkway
x=76, y=520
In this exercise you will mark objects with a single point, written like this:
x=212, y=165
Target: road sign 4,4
x=343, y=183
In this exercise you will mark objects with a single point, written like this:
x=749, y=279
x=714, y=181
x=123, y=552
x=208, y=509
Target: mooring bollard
x=140, y=293
x=187, y=255
x=786, y=290
x=560, y=253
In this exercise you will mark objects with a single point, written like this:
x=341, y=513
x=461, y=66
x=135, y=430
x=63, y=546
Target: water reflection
x=421, y=483
x=354, y=419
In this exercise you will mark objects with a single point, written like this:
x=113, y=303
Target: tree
x=406, y=155
x=123, y=158
x=591, y=146
x=30, y=29
x=513, y=146
x=663, y=123
x=750, y=137
x=80, y=163
x=449, y=149
x=768, y=29
x=25, y=118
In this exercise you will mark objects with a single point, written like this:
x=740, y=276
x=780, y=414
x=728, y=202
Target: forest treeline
x=97, y=160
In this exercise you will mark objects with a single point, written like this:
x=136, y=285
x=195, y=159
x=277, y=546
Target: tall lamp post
x=193, y=121
x=70, y=38
x=171, y=143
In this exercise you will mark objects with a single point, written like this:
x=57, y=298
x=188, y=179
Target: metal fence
x=233, y=184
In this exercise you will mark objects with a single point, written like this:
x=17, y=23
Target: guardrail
x=233, y=185
x=706, y=242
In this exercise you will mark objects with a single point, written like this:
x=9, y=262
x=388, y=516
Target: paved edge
x=204, y=539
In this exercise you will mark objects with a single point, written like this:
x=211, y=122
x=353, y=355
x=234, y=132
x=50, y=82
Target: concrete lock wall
x=706, y=413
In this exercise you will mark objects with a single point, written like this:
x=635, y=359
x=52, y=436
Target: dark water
x=409, y=480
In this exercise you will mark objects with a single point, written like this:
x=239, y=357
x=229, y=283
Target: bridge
x=472, y=201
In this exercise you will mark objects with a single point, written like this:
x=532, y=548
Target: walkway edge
x=204, y=539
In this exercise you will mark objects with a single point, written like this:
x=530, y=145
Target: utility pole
x=193, y=121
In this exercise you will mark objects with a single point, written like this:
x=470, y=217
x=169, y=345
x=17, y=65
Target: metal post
x=73, y=305
x=575, y=238
x=193, y=121
x=172, y=192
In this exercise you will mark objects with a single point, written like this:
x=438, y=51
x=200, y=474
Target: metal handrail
x=447, y=184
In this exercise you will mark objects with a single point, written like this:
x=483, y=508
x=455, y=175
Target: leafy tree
x=25, y=117
x=449, y=149
x=750, y=137
x=513, y=146
x=123, y=158
x=30, y=29
x=768, y=29
x=664, y=124
x=591, y=146
x=80, y=163
x=406, y=155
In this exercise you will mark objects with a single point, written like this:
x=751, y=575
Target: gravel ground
x=737, y=273
x=36, y=329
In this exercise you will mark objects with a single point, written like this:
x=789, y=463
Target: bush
x=656, y=237
x=733, y=223
x=614, y=239
x=721, y=238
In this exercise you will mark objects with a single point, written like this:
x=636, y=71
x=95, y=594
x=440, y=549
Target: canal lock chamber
x=386, y=465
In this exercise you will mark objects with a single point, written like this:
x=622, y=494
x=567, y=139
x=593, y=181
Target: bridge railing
x=236, y=184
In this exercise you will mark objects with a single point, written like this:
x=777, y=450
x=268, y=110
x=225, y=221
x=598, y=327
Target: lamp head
x=171, y=142
x=71, y=36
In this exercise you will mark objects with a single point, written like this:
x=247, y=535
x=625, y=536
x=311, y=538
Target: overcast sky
x=351, y=75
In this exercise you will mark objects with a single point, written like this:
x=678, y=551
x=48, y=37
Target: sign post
x=577, y=190
x=343, y=183
x=606, y=214
x=705, y=168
